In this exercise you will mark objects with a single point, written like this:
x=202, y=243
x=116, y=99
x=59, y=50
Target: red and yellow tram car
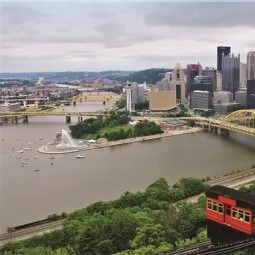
x=230, y=214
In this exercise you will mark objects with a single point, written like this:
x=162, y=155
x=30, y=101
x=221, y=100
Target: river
x=66, y=183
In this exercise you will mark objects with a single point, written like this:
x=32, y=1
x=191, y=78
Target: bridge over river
x=242, y=121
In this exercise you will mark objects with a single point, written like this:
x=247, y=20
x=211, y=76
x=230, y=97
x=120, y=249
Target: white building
x=218, y=80
x=251, y=65
x=243, y=75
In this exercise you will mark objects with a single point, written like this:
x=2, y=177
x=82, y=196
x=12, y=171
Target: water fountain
x=65, y=145
x=66, y=141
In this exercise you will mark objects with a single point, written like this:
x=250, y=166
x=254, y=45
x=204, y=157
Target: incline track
x=206, y=248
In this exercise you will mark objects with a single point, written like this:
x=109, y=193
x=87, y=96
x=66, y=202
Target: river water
x=66, y=183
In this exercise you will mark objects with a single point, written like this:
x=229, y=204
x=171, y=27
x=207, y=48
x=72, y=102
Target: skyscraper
x=193, y=70
x=230, y=73
x=251, y=65
x=243, y=75
x=222, y=50
x=211, y=72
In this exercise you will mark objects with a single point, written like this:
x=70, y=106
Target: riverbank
x=145, y=138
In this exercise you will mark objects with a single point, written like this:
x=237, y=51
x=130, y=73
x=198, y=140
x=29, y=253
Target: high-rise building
x=230, y=73
x=201, y=100
x=193, y=70
x=251, y=65
x=218, y=80
x=222, y=51
x=178, y=83
x=243, y=75
x=202, y=83
x=211, y=72
x=251, y=93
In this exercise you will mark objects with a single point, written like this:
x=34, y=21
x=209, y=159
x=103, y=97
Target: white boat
x=20, y=151
x=36, y=170
x=18, y=157
x=40, y=138
x=24, y=162
x=27, y=148
x=36, y=157
x=80, y=156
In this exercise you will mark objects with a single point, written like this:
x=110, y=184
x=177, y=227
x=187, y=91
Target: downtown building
x=251, y=65
x=211, y=72
x=243, y=76
x=193, y=70
x=221, y=52
x=230, y=73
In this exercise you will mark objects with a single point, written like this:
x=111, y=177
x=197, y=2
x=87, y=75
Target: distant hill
x=151, y=75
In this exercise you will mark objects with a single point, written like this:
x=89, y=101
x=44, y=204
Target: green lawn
x=108, y=130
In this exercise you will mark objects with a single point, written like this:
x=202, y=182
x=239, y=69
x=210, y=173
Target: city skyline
x=121, y=36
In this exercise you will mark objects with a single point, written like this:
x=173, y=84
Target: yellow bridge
x=242, y=121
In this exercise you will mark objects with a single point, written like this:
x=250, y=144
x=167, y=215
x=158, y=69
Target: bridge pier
x=74, y=103
x=68, y=119
x=15, y=120
x=25, y=119
x=224, y=132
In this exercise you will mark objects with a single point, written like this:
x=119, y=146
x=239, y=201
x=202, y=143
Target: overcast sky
x=125, y=36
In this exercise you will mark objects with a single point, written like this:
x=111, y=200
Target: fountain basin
x=65, y=145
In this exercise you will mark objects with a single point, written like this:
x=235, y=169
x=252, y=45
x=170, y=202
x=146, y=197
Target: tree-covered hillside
x=151, y=75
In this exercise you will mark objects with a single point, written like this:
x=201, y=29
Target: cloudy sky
x=95, y=36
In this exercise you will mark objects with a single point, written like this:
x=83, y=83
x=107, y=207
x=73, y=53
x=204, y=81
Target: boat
x=36, y=170
x=18, y=157
x=52, y=158
x=40, y=138
x=27, y=148
x=20, y=151
x=80, y=156
x=24, y=162
x=36, y=157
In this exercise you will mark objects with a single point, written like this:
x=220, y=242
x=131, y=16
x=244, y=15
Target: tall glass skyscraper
x=251, y=65
x=222, y=50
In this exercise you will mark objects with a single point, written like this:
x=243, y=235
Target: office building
x=201, y=100
x=251, y=93
x=243, y=75
x=178, y=83
x=131, y=97
x=230, y=73
x=251, y=65
x=226, y=108
x=218, y=81
x=222, y=97
x=211, y=72
x=202, y=83
x=162, y=100
x=241, y=97
x=222, y=51
x=193, y=70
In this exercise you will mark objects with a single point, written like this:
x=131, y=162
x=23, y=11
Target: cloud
x=201, y=14
x=100, y=36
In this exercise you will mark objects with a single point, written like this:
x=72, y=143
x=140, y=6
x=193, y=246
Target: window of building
x=240, y=215
x=220, y=208
x=209, y=204
x=234, y=213
x=215, y=206
x=178, y=75
x=247, y=217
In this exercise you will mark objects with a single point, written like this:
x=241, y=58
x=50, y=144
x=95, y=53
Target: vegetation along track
x=206, y=248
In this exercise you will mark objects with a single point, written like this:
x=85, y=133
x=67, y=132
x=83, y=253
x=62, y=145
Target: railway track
x=206, y=248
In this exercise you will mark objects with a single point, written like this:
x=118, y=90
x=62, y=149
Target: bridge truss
x=240, y=121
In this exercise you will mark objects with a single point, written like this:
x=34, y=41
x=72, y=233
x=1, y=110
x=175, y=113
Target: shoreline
x=92, y=146
x=145, y=138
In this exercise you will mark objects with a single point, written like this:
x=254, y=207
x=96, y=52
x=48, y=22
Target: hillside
x=151, y=75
